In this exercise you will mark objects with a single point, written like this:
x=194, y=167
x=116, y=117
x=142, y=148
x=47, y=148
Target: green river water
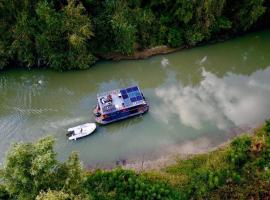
x=198, y=98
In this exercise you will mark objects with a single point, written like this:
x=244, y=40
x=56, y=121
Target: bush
x=3, y=192
x=175, y=37
x=32, y=168
x=193, y=37
x=125, y=184
x=60, y=34
x=239, y=151
x=267, y=126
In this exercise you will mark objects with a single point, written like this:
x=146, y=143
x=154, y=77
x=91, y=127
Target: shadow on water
x=121, y=125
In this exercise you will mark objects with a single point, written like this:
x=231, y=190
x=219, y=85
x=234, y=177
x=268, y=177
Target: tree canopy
x=32, y=169
x=71, y=34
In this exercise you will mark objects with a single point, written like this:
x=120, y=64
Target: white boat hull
x=81, y=131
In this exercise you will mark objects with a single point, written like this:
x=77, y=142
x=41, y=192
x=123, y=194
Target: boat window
x=134, y=111
x=133, y=108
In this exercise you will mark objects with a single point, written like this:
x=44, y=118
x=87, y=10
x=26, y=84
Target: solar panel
x=123, y=92
x=128, y=97
x=134, y=95
x=137, y=94
x=129, y=90
x=127, y=102
x=125, y=96
x=131, y=95
x=139, y=98
x=133, y=99
x=135, y=89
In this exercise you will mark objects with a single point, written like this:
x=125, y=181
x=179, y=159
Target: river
x=198, y=97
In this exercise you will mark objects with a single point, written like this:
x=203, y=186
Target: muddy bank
x=158, y=50
x=168, y=155
x=163, y=49
x=140, y=54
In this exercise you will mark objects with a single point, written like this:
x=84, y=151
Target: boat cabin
x=119, y=104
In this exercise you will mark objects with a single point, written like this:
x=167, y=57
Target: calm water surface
x=202, y=94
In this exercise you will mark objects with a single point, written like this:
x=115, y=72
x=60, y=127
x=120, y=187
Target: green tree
x=69, y=34
x=126, y=184
x=147, y=28
x=62, y=41
x=124, y=35
x=4, y=36
x=240, y=151
x=59, y=195
x=3, y=192
x=23, y=44
x=76, y=175
x=4, y=58
x=33, y=168
x=28, y=168
x=53, y=195
x=175, y=37
x=244, y=13
x=122, y=28
x=201, y=26
x=183, y=11
x=16, y=32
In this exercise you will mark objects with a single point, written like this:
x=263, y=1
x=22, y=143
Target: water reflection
x=234, y=100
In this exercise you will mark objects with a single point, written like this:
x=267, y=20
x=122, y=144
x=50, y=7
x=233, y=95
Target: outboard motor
x=69, y=133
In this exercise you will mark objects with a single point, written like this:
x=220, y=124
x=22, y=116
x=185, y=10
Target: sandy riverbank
x=169, y=154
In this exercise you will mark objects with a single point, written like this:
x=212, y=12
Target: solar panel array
x=131, y=95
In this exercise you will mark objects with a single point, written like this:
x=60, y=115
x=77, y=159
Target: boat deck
x=119, y=99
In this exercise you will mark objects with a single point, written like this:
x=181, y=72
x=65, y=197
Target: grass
x=230, y=172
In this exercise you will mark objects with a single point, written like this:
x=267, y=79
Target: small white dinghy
x=81, y=131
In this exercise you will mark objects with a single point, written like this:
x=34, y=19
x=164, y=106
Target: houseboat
x=119, y=104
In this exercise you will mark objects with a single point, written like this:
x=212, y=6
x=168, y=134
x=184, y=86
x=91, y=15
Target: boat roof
x=119, y=99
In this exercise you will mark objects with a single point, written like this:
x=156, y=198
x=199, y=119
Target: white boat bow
x=81, y=131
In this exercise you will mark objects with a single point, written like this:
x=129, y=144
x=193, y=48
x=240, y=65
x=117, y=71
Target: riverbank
x=158, y=50
x=171, y=154
x=228, y=172
x=185, y=150
x=146, y=53
x=81, y=30
x=164, y=49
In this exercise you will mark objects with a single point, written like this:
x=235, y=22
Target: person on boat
x=110, y=98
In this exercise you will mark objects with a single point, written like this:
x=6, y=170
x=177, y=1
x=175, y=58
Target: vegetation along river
x=198, y=98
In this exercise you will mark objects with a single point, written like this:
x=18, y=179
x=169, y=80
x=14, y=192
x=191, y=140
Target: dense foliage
x=71, y=34
x=227, y=173
x=231, y=172
x=125, y=184
x=32, y=169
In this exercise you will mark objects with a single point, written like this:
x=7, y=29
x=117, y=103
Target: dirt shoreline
x=163, y=49
x=157, y=50
x=146, y=53
x=170, y=154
